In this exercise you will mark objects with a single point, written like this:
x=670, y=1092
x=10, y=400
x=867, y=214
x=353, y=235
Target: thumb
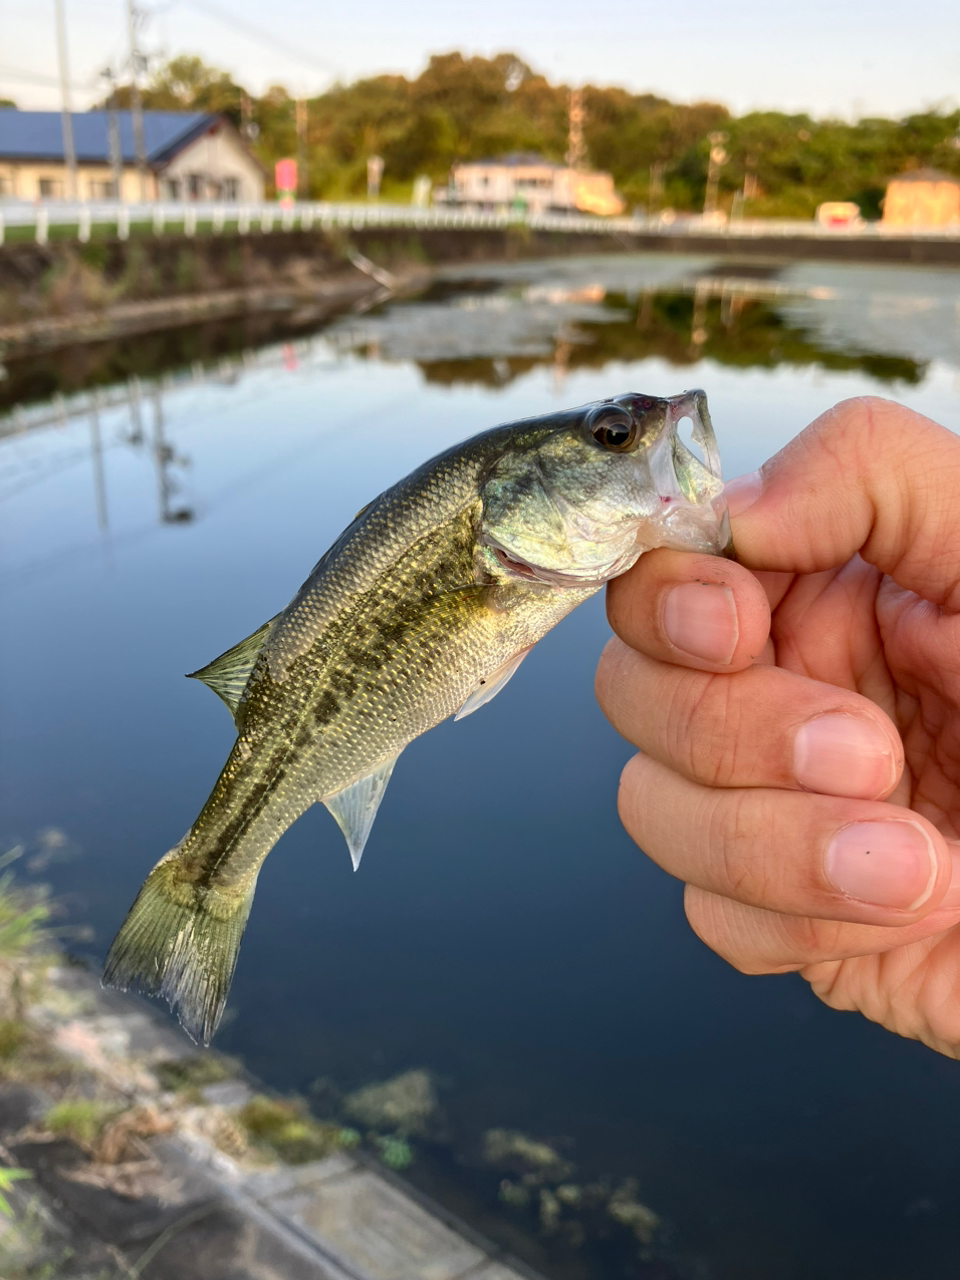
x=868, y=477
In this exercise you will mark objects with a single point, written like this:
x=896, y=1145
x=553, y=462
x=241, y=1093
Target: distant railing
x=79, y=221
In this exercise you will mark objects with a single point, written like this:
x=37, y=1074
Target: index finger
x=868, y=477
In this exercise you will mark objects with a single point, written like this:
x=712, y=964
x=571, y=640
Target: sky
x=859, y=57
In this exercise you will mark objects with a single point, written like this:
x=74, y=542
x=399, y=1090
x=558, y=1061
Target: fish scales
x=439, y=586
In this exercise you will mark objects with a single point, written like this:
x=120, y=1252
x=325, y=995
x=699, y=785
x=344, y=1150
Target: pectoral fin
x=491, y=685
x=227, y=675
x=356, y=807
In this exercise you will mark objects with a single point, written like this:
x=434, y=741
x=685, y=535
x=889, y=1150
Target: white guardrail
x=78, y=220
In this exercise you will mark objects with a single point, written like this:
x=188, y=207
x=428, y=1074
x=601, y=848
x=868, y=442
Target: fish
x=423, y=608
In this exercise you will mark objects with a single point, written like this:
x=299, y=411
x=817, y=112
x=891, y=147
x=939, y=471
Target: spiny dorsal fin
x=355, y=808
x=491, y=685
x=227, y=675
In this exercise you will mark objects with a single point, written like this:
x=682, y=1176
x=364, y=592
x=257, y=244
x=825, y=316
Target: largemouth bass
x=423, y=608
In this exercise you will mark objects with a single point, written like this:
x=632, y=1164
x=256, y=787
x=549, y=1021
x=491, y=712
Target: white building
x=530, y=182
x=190, y=156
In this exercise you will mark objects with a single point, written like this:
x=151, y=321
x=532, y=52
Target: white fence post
x=190, y=221
x=158, y=219
x=123, y=222
x=83, y=225
x=218, y=216
x=43, y=224
x=243, y=221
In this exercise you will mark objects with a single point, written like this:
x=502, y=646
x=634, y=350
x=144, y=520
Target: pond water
x=164, y=495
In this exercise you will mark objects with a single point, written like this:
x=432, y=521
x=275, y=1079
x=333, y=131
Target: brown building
x=923, y=198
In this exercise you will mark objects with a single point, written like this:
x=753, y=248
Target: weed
x=287, y=1128
x=194, y=1073
x=82, y=1119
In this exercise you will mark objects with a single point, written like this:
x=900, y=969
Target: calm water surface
x=162, y=497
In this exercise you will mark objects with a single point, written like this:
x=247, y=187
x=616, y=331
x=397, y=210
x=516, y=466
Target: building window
x=195, y=186
x=173, y=188
x=51, y=188
x=103, y=190
x=231, y=188
x=6, y=185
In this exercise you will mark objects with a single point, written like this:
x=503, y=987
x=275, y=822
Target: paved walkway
x=184, y=1210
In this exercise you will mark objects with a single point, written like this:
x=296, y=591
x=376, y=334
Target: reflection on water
x=653, y=1113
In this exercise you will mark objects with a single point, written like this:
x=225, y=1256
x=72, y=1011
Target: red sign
x=285, y=175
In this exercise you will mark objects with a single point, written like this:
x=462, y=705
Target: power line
x=228, y=19
x=22, y=77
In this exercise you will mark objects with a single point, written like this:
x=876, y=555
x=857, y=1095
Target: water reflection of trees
x=681, y=328
x=713, y=320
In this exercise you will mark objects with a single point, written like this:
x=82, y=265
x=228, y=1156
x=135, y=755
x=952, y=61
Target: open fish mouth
x=557, y=577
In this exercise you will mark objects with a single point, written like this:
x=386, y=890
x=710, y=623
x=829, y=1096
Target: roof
x=926, y=175
x=515, y=159
x=38, y=135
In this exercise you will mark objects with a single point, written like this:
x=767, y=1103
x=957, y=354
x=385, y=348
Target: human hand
x=798, y=716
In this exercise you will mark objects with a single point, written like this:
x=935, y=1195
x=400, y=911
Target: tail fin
x=180, y=941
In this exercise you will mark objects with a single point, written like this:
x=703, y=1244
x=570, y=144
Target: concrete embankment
x=64, y=291
x=141, y=1167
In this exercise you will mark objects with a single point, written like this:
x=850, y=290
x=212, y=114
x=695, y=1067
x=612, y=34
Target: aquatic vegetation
x=514, y=1194
x=550, y=1210
x=403, y=1104
x=540, y=1187
x=624, y=1207
x=195, y=1072
x=286, y=1127
x=510, y=1149
x=395, y=1152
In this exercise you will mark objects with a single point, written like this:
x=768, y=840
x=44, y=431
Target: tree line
x=470, y=108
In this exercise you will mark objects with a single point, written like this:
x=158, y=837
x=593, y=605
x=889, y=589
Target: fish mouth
x=530, y=572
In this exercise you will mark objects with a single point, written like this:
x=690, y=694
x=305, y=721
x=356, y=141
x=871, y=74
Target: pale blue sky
x=857, y=57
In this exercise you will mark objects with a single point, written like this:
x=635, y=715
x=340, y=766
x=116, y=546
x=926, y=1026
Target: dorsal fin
x=227, y=675
x=491, y=685
x=355, y=808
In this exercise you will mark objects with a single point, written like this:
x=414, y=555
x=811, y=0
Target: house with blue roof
x=190, y=155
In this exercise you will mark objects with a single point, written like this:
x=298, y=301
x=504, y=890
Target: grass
x=285, y=1127
x=82, y=1119
x=190, y=1075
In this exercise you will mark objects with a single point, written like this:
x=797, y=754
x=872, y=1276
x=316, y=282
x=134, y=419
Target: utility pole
x=718, y=158
x=113, y=134
x=303, y=186
x=136, y=106
x=66, y=112
x=576, y=146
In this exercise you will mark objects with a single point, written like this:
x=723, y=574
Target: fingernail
x=842, y=755
x=700, y=618
x=743, y=492
x=886, y=864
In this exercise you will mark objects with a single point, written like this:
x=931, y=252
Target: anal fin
x=355, y=808
x=491, y=685
x=227, y=675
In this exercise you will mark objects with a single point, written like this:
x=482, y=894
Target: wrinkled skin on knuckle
x=736, y=839
x=713, y=734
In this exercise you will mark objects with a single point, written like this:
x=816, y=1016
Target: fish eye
x=615, y=429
